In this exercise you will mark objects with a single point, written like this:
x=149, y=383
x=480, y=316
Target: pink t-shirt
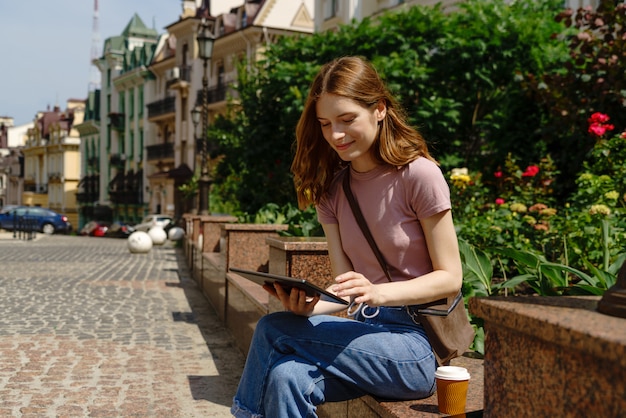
x=392, y=201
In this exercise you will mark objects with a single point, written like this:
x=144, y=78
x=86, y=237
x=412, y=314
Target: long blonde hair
x=315, y=162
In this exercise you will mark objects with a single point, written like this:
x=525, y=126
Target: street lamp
x=205, y=50
x=196, y=115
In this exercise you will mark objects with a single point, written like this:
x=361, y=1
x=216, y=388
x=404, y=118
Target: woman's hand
x=358, y=287
x=295, y=301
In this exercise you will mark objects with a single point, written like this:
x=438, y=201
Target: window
x=140, y=101
x=141, y=145
x=131, y=150
x=331, y=8
x=131, y=103
x=121, y=102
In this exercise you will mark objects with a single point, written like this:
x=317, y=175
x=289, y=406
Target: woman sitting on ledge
x=352, y=126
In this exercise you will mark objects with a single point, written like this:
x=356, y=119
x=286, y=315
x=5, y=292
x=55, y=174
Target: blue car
x=43, y=220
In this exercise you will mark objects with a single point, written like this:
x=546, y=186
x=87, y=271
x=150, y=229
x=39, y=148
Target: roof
x=136, y=28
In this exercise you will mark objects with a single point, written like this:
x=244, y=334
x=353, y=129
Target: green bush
x=455, y=71
x=533, y=244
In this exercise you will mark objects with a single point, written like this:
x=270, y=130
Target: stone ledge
x=550, y=356
x=298, y=243
x=571, y=322
x=370, y=407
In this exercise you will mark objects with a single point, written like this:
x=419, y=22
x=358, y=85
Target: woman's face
x=350, y=128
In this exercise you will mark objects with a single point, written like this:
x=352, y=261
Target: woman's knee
x=281, y=322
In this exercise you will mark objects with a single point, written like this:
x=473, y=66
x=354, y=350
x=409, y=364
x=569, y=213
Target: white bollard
x=139, y=242
x=176, y=234
x=158, y=235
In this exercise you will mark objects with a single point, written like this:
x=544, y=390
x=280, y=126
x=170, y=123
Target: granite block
x=552, y=356
x=214, y=282
x=247, y=303
x=245, y=245
x=211, y=231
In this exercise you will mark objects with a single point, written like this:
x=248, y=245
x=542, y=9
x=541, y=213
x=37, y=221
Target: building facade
x=243, y=33
x=126, y=84
x=88, y=190
x=52, y=160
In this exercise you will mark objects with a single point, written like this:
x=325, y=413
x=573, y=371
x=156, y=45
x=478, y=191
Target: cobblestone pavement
x=88, y=329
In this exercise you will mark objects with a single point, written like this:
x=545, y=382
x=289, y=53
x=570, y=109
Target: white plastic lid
x=452, y=373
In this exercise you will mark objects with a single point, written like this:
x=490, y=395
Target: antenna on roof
x=94, y=73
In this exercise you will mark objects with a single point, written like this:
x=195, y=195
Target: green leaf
x=476, y=266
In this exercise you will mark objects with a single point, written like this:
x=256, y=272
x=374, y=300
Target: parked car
x=44, y=220
x=94, y=229
x=153, y=220
x=7, y=208
x=119, y=230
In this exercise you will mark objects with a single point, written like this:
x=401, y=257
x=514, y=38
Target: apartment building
x=174, y=153
x=113, y=145
x=52, y=159
x=88, y=189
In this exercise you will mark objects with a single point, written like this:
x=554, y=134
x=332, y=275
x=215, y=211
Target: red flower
x=598, y=118
x=499, y=201
x=599, y=129
x=497, y=174
x=598, y=124
x=531, y=171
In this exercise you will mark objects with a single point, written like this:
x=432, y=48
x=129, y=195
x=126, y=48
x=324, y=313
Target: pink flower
x=598, y=118
x=531, y=171
x=497, y=174
x=598, y=124
x=599, y=129
x=623, y=135
x=499, y=201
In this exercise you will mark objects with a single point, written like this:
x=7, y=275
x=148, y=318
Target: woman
x=301, y=358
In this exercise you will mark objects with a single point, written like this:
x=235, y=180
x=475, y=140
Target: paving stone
x=88, y=329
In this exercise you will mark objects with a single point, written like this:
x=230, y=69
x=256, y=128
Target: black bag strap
x=424, y=309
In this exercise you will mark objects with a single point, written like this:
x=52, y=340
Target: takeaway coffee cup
x=452, y=385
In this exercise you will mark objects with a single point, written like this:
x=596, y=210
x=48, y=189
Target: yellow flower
x=518, y=207
x=548, y=212
x=460, y=171
x=460, y=177
x=599, y=210
x=612, y=195
x=529, y=220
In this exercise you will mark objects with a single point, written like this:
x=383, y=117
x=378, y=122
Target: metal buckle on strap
x=412, y=311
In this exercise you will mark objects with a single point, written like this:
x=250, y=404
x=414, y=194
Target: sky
x=46, y=47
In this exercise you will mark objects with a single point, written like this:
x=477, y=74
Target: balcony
x=89, y=190
x=160, y=151
x=216, y=94
x=162, y=107
x=116, y=121
x=117, y=160
x=126, y=188
x=87, y=197
x=178, y=77
x=56, y=176
x=36, y=188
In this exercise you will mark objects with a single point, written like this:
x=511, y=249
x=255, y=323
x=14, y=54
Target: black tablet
x=287, y=283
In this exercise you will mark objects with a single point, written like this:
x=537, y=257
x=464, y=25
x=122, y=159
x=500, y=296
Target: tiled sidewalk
x=88, y=329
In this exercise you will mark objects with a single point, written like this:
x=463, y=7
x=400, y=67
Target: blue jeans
x=295, y=363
